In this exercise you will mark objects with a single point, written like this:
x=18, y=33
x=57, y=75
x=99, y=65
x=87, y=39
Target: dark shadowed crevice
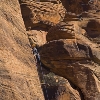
x=76, y=88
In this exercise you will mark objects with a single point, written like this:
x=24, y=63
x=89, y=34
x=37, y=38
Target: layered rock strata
x=41, y=14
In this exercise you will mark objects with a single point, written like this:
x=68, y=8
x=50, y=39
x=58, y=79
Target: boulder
x=93, y=28
x=74, y=63
x=65, y=30
x=61, y=31
x=65, y=49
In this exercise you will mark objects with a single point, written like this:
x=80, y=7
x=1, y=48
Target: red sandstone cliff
x=68, y=45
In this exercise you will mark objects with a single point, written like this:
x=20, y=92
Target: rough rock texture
x=78, y=6
x=73, y=48
x=92, y=27
x=68, y=92
x=61, y=31
x=18, y=74
x=37, y=37
x=65, y=49
x=76, y=69
x=63, y=57
x=41, y=13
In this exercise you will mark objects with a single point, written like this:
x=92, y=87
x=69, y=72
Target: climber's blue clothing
x=37, y=55
x=35, y=51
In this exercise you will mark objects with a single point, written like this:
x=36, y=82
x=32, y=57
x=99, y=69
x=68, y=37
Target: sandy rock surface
x=18, y=74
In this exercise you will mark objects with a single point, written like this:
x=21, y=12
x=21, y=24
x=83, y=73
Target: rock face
x=18, y=74
x=65, y=49
x=78, y=6
x=69, y=46
x=77, y=58
x=77, y=68
x=37, y=37
x=41, y=13
x=61, y=31
x=68, y=92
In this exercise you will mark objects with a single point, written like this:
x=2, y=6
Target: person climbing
x=36, y=54
x=35, y=50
